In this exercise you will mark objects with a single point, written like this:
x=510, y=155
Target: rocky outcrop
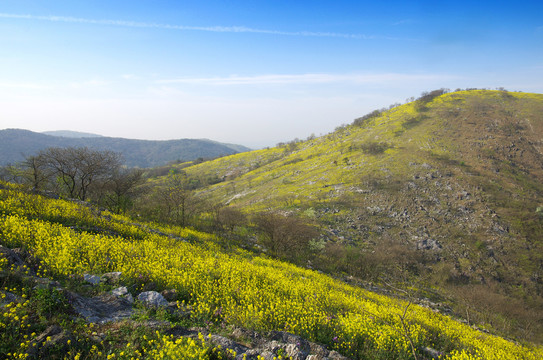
x=152, y=299
x=53, y=340
x=102, y=308
x=117, y=305
x=250, y=345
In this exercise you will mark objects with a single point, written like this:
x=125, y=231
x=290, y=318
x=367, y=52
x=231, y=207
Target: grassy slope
x=463, y=171
x=223, y=288
x=448, y=126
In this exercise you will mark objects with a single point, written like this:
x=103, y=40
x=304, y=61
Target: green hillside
x=463, y=128
x=413, y=233
x=57, y=244
x=447, y=189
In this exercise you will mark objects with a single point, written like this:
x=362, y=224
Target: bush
x=374, y=147
x=284, y=236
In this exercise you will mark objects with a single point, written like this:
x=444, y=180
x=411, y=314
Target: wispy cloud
x=273, y=79
x=217, y=29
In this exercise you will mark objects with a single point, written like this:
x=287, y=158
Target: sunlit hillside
x=464, y=128
x=58, y=244
x=450, y=184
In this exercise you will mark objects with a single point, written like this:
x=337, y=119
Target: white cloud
x=217, y=29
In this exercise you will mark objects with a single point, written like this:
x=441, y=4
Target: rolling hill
x=448, y=188
x=430, y=223
x=16, y=144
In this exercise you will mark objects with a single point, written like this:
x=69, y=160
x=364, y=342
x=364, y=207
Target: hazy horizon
x=250, y=73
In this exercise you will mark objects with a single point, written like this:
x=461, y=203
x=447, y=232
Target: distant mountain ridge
x=16, y=144
x=70, y=134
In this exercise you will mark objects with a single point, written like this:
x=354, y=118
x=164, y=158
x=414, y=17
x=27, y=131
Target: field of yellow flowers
x=236, y=288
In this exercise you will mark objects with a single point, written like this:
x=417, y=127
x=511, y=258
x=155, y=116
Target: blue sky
x=250, y=72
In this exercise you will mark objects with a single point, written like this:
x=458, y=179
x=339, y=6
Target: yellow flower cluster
x=245, y=290
x=14, y=322
x=166, y=347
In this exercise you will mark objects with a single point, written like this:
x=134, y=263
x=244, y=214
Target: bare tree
x=174, y=199
x=286, y=236
x=120, y=188
x=77, y=169
x=228, y=218
x=34, y=172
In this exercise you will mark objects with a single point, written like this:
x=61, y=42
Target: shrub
x=374, y=147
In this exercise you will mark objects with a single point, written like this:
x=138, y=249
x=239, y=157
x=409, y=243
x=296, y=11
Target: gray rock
x=120, y=291
x=52, y=339
x=102, y=308
x=91, y=279
x=226, y=343
x=152, y=299
x=428, y=244
x=316, y=357
x=267, y=355
x=123, y=292
x=334, y=355
x=295, y=352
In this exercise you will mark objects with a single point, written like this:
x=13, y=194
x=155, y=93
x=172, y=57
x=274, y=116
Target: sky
x=254, y=72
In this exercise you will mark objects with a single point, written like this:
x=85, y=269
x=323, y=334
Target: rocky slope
x=452, y=181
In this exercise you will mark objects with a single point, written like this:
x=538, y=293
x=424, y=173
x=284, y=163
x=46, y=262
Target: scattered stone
x=91, y=279
x=120, y=291
x=52, y=340
x=226, y=343
x=123, y=292
x=315, y=357
x=334, y=355
x=295, y=352
x=102, y=308
x=152, y=299
x=267, y=355
x=428, y=244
